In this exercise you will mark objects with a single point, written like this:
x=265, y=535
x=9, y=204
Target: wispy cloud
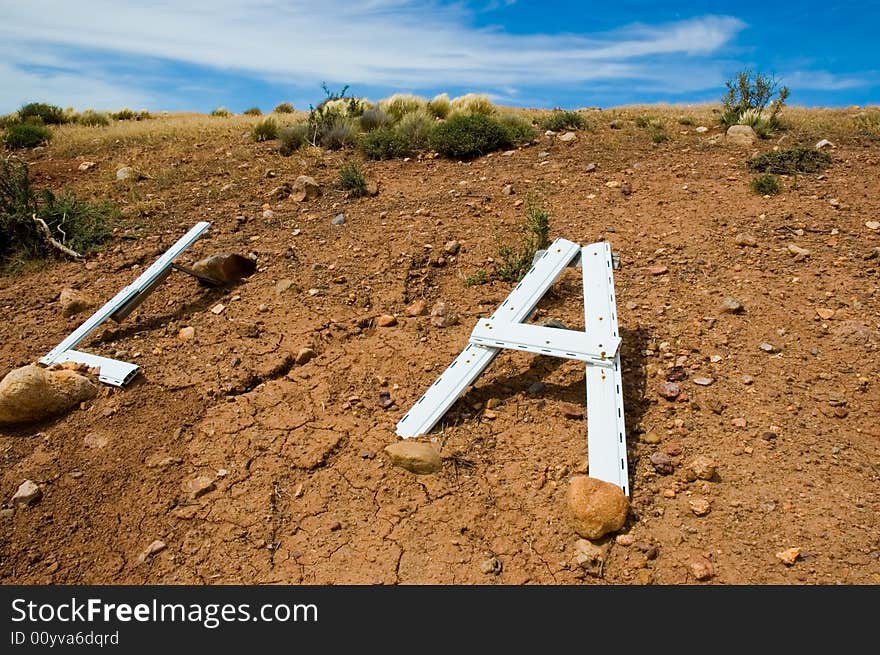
x=403, y=44
x=825, y=81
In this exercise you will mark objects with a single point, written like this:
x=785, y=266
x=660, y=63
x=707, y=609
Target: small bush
x=473, y=103
x=479, y=277
x=416, y=127
x=25, y=135
x=221, y=112
x=9, y=119
x=385, y=143
x=82, y=226
x=643, y=120
x=519, y=129
x=284, y=108
x=341, y=134
x=869, y=122
x=440, y=106
x=685, y=120
x=563, y=120
x=658, y=135
x=292, y=138
x=516, y=260
x=755, y=92
x=765, y=184
x=143, y=115
x=790, y=161
x=757, y=121
x=124, y=114
x=353, y=179
x=92, y=118
x=345, y=107
x=373, y=118
x=48, y=114
x=265, y=130
x=252, y=111
x=465, y=136
x=400, y=104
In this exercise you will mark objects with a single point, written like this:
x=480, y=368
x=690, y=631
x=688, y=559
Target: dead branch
x=52, y=241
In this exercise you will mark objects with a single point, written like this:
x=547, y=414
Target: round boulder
x=32, y=393
x=596, y=507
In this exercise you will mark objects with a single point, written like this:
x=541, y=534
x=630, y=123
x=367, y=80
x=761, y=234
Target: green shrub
x=353, y=179
x=373, y=118
x=473, y=103
x=252, y=111
x=124, y=114
x=385, y=143
x=9, y=119
x=465, y=136
x=685, y=120
x=143, y=115
x=284, y=108
x=519, y=129
x=80, y=225
x=765, y=184
x=341, y=134
x=868, y=122
x=221, y=112
x=563, y=120
x=478, y=277
x=440, y=106
x=416, y=127
x=25, y=135
x=48, y=114
x=657, y=131
x=92, y=118
x=265, y=130
x=755, y=92
x=516, y=260
x=643, y=120
x=399, y=104
x=292, y=138
x=790, y=161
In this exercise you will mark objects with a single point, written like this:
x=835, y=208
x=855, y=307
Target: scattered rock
x=568, y=137
x=417, y=308
x=225, y=267
x=281, y=192
x=591, y=557
x=129, y=173
x=789, y=556
x=570, y=410
x=855, y=333
x=596, y=507
x=385, y=400
x=768, y=347
x=699, y=468
x=282, y=285
x=491, y=566
x=386, y=320
x=746, y=239
x=415, y=456
x=339, y=219
x=624, y=540
x=741, y=135
x=372, y=188
x=700, y=566
x=589, y=168
x=32, y=393
x=703, y=382
x=154, y=548
x=507, y=190
x=451, y=247
x=73, y=302
x=652, y=437
x=304, y=356
x=824, y=313
x=739, y=422
x=86, y=165
x=632, y=305
x=701, y=129
x=731, y=306
x=442, y=315
x=797, y=252
x=662, y=463
x=612, y=184
x=218, y=308
x=535, y=388
x=677, y=374
x=305, y=188
x=27, y=494
x=95, y=440
x=199, y=486
x=186, y=333
x=699, y=506
x=554, y=323
x=873, y=225
x=657, y=270
x=824, y=143
x=161, y=461
x=615, y=124
x=668, y=390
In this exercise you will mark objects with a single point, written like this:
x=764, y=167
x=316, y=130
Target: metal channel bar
x=568, y=344
x=143, y=283
x=474, y=359
x=606, y=430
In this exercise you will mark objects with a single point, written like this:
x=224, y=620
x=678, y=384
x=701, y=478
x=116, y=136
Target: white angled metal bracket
x=113, y=371
x=598, y=347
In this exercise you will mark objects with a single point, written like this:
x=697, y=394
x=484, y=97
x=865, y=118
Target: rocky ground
x=251, y=447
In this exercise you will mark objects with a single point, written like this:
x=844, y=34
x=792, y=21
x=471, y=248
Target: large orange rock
x=596, y=507
x=32, y=393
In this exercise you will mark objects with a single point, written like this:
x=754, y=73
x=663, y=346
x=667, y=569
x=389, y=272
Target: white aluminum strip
x=112, y=371
x=606, y=430
x=141, y=284
x=474, y=359
x=569, y=344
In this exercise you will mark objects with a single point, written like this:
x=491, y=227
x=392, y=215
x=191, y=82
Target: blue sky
x=201, y=54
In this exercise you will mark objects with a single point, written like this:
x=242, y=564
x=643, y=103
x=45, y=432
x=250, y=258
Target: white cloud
x=822, y=81
x=404, y=44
